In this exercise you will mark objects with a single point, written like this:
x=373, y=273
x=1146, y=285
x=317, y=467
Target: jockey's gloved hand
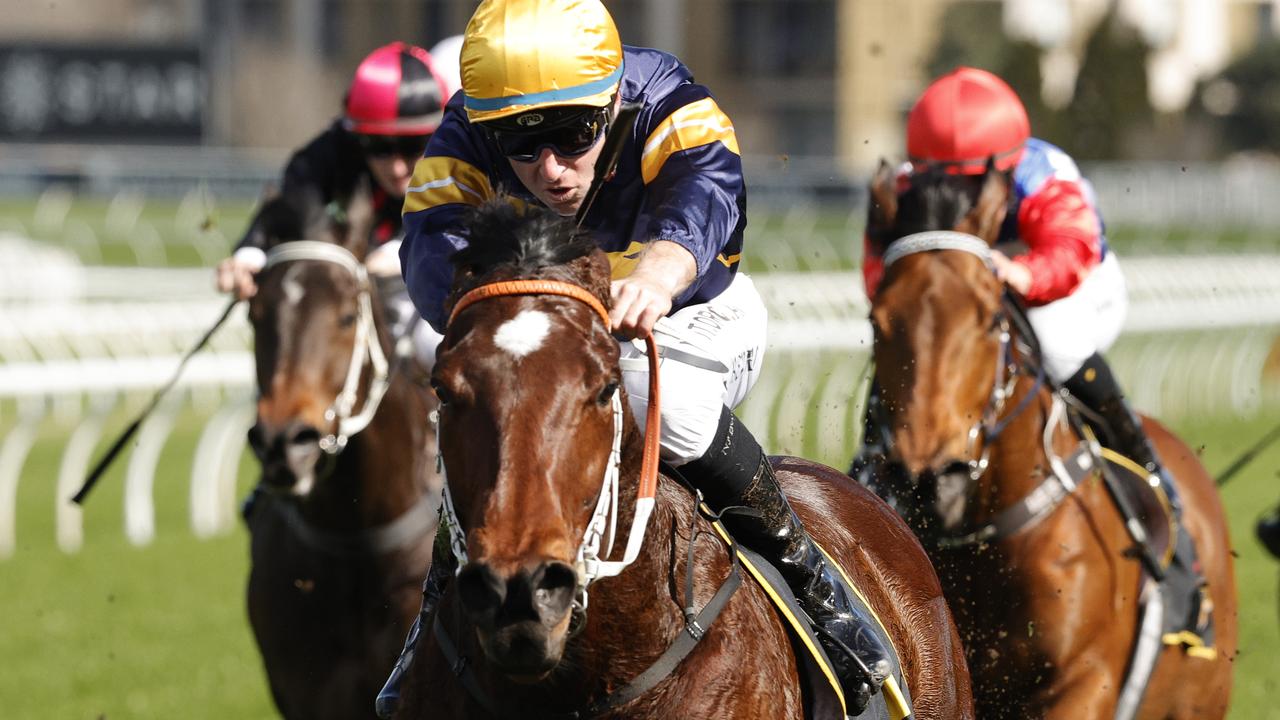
x=236, y=274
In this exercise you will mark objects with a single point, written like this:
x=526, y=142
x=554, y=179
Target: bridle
x=1058, y=483
x=365, y=349
x=989, y=425
x=589, y=563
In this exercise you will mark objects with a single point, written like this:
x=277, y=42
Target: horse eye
x=442, y=393
x=347, y=320
x=606, y=393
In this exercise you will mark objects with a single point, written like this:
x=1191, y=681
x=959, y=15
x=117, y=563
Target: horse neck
x=383, y=470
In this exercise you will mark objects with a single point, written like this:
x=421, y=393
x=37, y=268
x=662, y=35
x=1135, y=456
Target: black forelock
x=523, y=240
x=936, y=200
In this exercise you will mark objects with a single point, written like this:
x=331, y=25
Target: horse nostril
x=480, y=589
x=554, y=584
x=301, y=434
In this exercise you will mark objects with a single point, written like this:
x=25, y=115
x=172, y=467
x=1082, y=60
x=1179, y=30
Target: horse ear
x=882, y=204
x=993, y=202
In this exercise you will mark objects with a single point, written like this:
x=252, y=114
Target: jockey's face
x=556, y=177
x=392, y=172
x=559, y=182
x=391, y=159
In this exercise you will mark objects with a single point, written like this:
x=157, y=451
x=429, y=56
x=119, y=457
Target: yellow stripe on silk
x=691, y=126
x=623, y=262
x=729, y=261
x=444, y=180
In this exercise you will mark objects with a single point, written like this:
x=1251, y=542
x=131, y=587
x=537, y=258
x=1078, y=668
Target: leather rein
x=590, y=564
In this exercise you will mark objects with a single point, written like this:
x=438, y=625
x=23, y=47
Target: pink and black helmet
x=396, y=91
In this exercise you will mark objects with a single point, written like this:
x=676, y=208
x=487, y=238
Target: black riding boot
x=443, y=568
x=1096, y=387
x=735, y=472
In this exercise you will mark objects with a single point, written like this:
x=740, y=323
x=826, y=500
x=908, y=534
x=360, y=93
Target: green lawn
x=160, y=632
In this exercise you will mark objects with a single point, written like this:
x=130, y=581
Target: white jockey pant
x=1086, y=321
x=711, y=356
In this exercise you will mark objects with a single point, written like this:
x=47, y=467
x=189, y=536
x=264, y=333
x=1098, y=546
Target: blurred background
x=137, y=135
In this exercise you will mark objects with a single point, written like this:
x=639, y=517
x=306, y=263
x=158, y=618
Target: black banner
x=101, y=93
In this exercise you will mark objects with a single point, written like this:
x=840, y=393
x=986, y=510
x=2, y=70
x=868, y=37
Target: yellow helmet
x=518, y=55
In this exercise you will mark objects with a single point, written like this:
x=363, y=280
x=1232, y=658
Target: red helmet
x=396, y=91
x=965, y=117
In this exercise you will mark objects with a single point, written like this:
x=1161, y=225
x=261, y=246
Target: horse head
x=314, y=328
x=940, y=332
x=531, y=420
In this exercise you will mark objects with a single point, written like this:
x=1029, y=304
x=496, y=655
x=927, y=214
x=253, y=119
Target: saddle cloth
x=822, y=694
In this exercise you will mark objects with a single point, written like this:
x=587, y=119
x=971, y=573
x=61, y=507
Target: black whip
x=609, y=155
x=1248, y=455
x=121, y=441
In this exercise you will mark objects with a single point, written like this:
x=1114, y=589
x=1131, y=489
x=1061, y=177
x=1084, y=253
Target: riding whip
x=609, y=155
x=121, y=441
x=1248, y=455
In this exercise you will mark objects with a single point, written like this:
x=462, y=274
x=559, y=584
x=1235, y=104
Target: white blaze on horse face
x=523, y=333
x=293, y=290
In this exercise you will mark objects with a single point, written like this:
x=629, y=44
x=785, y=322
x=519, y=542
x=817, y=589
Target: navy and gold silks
x=679, y=179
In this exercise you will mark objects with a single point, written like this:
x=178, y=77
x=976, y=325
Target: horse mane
x=520, y=241
x=286, y=217
x=936, y=200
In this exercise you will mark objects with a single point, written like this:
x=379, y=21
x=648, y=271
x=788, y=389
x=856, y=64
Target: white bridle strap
x=366, y=345
x=936, y=240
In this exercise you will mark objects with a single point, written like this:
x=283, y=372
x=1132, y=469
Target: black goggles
x=570, y=138
x=382, y=146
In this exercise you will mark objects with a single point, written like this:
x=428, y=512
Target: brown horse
x=1046, y=594
x=531, y=406
x=345, y=513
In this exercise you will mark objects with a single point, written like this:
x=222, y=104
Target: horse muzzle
x=521, y=617
x=288, y=455
x=940, y=495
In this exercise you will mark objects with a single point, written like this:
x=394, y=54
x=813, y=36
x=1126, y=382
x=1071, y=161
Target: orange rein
x=653, y=422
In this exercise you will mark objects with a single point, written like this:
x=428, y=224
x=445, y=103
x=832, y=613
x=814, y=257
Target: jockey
x=1069, y=277
x=392, y=107
x=541, y=81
